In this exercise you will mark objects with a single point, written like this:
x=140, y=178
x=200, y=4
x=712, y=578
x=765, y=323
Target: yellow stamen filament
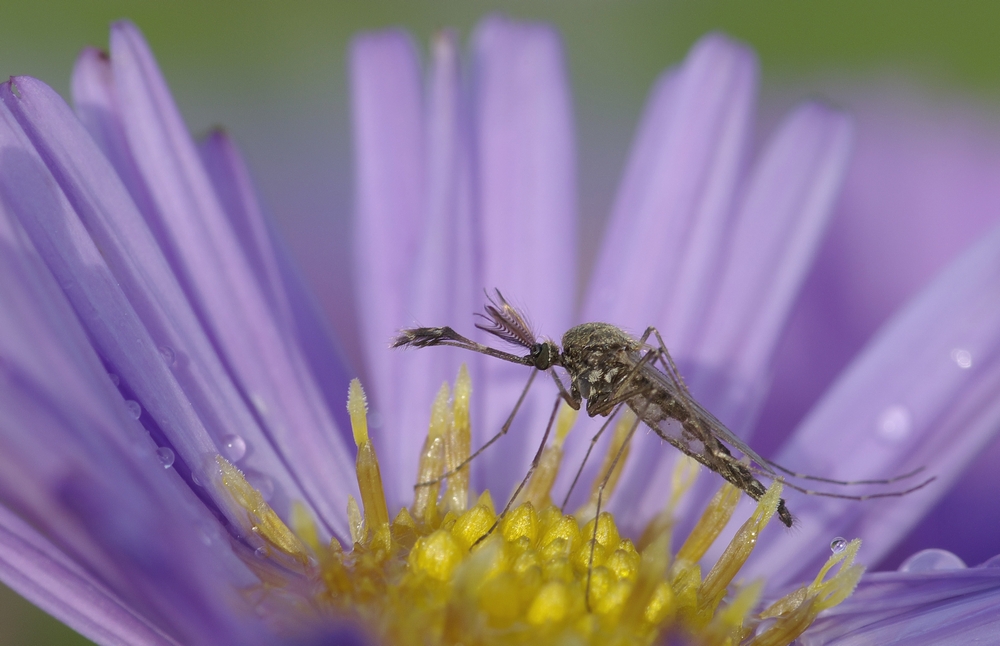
x=622, y=430
x=260, y=518
x=538, y=576
x=432, y=459
x=681, y=480
x=736, y=554
x=355, y=521
x=539, y=488
x=457, y=444
x=713, y=520
x=369, y=476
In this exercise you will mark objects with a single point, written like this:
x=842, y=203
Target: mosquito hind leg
x=804, y=476
x=666, y=360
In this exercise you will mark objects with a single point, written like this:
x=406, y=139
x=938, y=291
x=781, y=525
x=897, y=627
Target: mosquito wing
x=709, y=423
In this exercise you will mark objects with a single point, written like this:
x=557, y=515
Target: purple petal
x=293, y=305
x=191, y=225
x=771, y=247
x=957, y=607
x=125, y=344
x=41, y=573
x=78, y=467
x=773, y=244
x=146, y=279
x=664, y=237
x=444, y=286
x=921, y=394
x=921, y=188
x=387, y=117
x=527, y=209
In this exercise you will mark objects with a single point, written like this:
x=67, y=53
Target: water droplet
x=115, y=379
x=962, y=358
x=993, y=561
x=134, y=409
x=234, y=447
x=261, y=483
x=260, y=552
x=932, y=560
x=209, y=471
x=838, y=545
x=166, y=457
x=168, y=354
x=895, y=423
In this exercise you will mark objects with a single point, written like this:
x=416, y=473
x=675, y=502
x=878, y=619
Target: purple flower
x=149, y=319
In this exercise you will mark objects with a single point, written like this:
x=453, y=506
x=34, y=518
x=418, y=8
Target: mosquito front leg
x=524, y=481
x=489, y=442
x=600, y=499
x=586, y=456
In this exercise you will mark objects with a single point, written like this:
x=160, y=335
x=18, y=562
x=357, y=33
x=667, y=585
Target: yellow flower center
x=443, y=572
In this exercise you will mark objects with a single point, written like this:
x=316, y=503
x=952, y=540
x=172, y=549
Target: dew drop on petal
x=166, y=457
x=261, y=483
x=234, y=447
x=962, y=358
x=168, y=355
x=838, y=545
x=115, y=379
x=134, y=409
x=894, y=423
x=260, y=552
x=932, y=560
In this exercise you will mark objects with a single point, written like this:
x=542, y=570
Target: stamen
x=261, y=519
x=449, y=578
x=355, y=521
x=713, y=520
x=685, y=472
x=369, y=476
x=622, y=432
x=432, y=459
x=738, y=551
x=457, y=444
x=539, y=488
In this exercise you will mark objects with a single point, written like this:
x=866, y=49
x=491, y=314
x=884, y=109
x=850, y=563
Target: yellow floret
x=439, y=573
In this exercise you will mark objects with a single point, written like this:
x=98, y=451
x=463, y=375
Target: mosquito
x=609, y=369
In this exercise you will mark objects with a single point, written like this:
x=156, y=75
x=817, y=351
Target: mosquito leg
x=803, y=476
x=574, y=404
x=489, y=442
x=667, y=360
x=527, y=476
x=843, y=496
x=586, y=456
x=600, y=499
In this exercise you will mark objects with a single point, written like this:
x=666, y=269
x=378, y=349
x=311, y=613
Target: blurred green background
x=274, y=74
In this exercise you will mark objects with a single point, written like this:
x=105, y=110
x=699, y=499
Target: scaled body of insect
x=607, y=367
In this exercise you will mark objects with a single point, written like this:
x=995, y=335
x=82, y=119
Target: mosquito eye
x=584, y=387
x=541, y=356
